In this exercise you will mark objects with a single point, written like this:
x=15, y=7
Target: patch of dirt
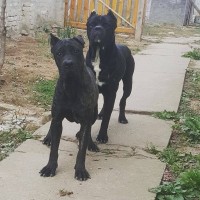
x=165, y=30
x=195, y=106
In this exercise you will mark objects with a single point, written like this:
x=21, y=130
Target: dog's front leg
x=56, y=131
x=109, y=100
x=80, y=171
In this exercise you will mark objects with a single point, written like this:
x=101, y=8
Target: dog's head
x=68, y=55
x=101, y=28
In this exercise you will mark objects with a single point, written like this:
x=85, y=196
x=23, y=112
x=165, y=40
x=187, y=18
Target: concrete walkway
x=123, y=170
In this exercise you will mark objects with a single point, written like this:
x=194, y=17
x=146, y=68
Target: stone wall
x=28, y=15
x=167, y=11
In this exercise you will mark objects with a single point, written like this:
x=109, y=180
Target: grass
x=43, y=92
x=183, y=165
x=10, y=140
x=66, y=32
x=186, y=187
x=166, y=115
x=195, y=54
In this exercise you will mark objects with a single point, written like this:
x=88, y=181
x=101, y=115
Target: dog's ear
x=110, y=13
x=112, y=16
x=80, y=40
x=53, y=40
x=92, y=13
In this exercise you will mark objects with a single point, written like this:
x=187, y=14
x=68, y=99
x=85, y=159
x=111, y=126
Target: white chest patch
x=97, y=69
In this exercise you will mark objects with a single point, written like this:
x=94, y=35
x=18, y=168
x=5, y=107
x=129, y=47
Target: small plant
x=151, y=148
x=44, y=90
x=186, y=187
x=191, y=128
x=66, y=32
x=166, y=115
x=10, y=140
x=195, y=54
x=169, y=156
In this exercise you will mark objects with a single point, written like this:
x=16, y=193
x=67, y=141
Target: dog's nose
x=67, y=63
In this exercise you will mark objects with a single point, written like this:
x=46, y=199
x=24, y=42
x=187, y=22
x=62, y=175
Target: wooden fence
x=126, y=11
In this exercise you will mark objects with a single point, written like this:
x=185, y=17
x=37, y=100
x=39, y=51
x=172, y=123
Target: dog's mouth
x=96, y=38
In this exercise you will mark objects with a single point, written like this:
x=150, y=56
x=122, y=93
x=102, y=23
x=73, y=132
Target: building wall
x=30, y=14
x=167, y=11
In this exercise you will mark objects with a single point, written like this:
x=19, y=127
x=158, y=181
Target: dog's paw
x=93, y=147
x=47, y=141
x=48, y=170
x=122, y=120
x=102, y=139
x=81, y=174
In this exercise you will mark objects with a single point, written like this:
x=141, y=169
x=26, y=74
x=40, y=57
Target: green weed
x=66, y=32
x=178, y=162
x=195, y=54
x=166, y=115
x=43, y=92
x=151, y=148
x=186, y=187
x=10, y=140
x=191, y=128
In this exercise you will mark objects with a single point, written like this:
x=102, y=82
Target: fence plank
x=128, y=10
x=108, y=2
x=66, y=13
x=86, y=10
x=118, y=30
x=72, y=10
x=114, y=4
x=78, y=11
x=120, y=8
x=135, y=12
x=140, y=19
x=100, y=7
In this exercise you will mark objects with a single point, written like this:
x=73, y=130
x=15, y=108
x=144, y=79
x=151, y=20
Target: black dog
x=111, y=63
x=75, y=99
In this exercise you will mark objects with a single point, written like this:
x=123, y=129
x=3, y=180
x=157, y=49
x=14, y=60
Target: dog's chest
x=97, y=69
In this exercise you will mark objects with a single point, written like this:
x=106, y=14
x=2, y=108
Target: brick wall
x=28, y=15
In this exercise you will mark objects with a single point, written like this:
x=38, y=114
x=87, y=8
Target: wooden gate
x=126, y=11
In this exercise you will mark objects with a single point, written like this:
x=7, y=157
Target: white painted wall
x=31, y=14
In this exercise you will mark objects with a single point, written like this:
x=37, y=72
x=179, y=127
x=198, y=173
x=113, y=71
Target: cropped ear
x=54, y=40
x=80, y=40
x=92, y=13
x=112, y=16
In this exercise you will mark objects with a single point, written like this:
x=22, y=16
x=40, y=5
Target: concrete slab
x=157, y=84
x=113, y=178
x=121, y=171
x=139, y=132
x=165, y=49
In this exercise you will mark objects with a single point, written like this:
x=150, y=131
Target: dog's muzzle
x=97, y=35
x=68, y=63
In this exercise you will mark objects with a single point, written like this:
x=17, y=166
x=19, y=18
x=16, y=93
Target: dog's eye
x=59, y=53
x=76, y=51
x=91, y=25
